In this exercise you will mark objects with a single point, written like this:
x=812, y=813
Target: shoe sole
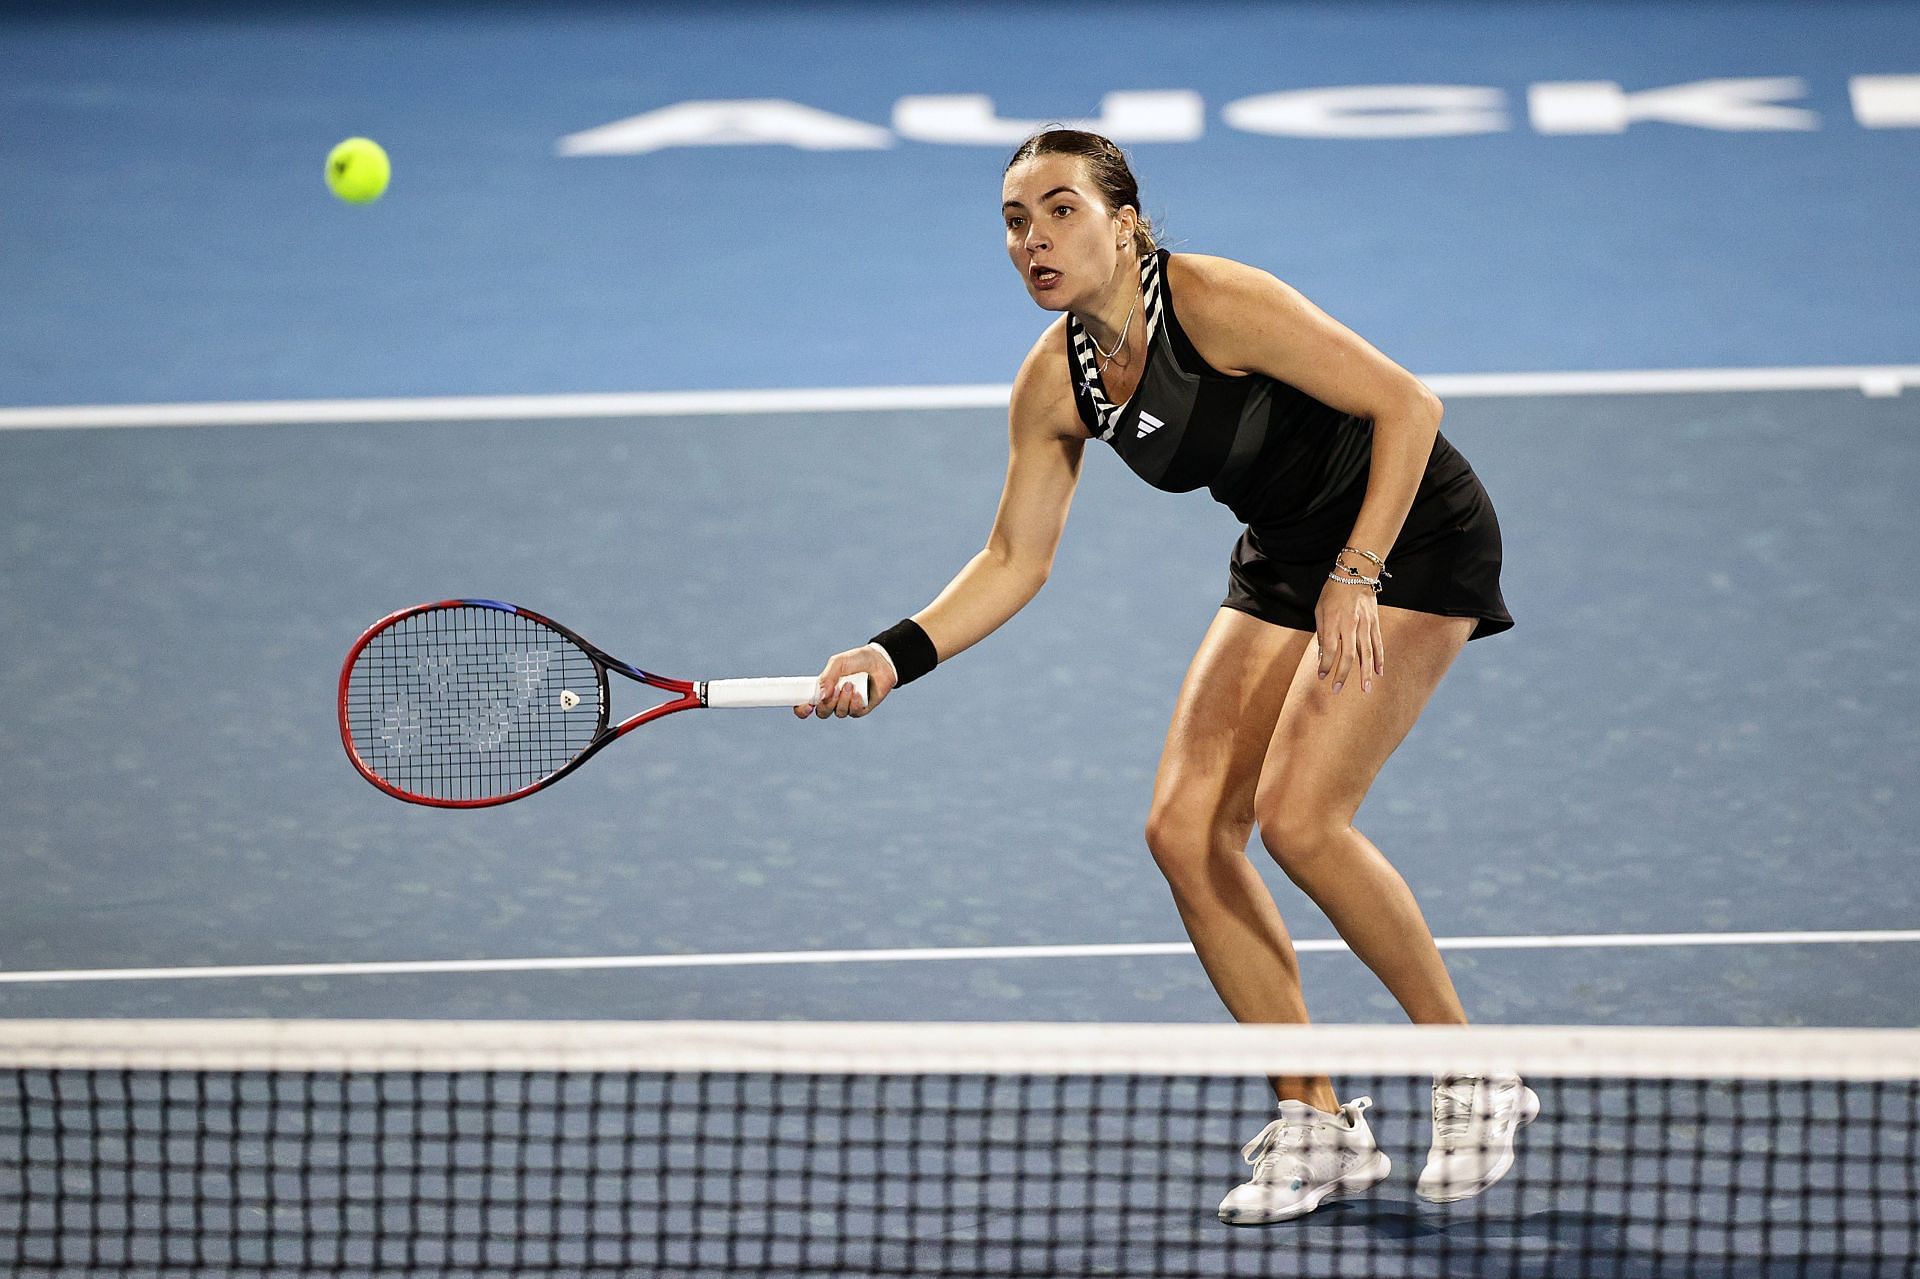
x=1529, y=1111
x=1359, y=1180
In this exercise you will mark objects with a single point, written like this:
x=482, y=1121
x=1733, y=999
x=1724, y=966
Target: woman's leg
x=1325, y=753
x=1203, y=813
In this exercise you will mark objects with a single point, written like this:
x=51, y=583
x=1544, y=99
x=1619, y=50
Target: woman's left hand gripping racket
x=467, y=703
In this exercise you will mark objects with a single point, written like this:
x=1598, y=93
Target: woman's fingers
x=829, y=677
x=1349, y=643
x=838, y=697
x=1349, y=652
x=1336, y=659
x=1379, y=647
x=841, y=700
x=836, y=701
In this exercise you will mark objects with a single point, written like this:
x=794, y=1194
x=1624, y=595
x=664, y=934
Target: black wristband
x=912, y=652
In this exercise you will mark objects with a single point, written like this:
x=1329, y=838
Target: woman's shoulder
x=1220, y=303
x=1043, y=388
x=1210, y=280
x=1047, y=356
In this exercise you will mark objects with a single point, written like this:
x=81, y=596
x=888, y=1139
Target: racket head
x=466, y=703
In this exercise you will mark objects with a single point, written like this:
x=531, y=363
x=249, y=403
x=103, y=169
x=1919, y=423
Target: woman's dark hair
x=1106, y=165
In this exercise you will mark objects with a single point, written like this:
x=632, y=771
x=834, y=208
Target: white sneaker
x=1302, y=1158
x=1474, y=1121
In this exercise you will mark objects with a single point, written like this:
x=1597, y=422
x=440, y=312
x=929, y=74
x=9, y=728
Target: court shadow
x=1431, y=1238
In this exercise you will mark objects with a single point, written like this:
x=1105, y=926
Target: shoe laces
x=1453, y=1110
x=1277, y=1147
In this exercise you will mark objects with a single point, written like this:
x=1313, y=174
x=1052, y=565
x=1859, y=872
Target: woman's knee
x=1300, y=831
x=1185, y=840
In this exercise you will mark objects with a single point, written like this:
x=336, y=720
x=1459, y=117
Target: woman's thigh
x=1327, y=748
x=1222, y=724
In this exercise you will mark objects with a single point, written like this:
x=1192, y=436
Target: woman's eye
x=1063, y=210
x=1013, y=224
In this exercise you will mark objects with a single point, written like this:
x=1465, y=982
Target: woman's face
x=1064, y=242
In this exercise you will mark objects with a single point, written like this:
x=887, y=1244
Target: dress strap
x=1104, y=410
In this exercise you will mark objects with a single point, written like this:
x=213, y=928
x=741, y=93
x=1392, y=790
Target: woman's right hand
x=841, y=702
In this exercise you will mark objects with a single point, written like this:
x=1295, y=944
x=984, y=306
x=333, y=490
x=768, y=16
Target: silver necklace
x=1106, y=357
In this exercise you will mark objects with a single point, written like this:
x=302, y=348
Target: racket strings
x=470, y=703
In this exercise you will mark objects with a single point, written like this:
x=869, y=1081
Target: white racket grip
x=790, y=690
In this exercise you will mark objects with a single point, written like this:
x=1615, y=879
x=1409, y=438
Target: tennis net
x=288, y=1148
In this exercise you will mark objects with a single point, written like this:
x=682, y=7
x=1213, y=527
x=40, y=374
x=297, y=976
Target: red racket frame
x=692, y=696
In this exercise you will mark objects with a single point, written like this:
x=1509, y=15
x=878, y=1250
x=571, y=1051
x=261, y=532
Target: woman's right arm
x=1045, y=441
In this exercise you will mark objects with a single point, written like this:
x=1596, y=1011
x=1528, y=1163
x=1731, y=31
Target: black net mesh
x=684, y=1173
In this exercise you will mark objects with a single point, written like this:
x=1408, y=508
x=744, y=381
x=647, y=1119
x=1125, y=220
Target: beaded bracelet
x=1356, y=580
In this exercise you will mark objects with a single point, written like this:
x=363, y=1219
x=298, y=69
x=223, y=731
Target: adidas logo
x=1148, y=424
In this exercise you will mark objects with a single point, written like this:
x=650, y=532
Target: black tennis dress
x=1294, y=471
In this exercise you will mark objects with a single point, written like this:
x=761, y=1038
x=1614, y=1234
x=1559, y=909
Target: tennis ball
x=357, y=170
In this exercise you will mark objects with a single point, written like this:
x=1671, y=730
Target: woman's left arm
x=1243, y=320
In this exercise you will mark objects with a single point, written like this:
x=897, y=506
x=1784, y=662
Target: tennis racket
x=467, y=703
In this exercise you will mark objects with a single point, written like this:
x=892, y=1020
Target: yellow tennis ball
x=357, y=170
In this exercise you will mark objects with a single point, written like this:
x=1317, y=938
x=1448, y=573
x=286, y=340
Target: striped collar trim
x=1105, y=411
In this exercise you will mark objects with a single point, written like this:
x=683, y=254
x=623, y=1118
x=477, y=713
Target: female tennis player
x=1371, y=555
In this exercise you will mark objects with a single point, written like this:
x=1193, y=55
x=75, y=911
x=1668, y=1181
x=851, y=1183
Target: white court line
x=1878, y=380
x=1580, y=941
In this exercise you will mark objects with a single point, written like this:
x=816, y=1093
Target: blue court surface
x=1703, y=724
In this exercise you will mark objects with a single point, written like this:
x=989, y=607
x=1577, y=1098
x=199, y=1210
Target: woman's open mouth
x=1043, y=277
